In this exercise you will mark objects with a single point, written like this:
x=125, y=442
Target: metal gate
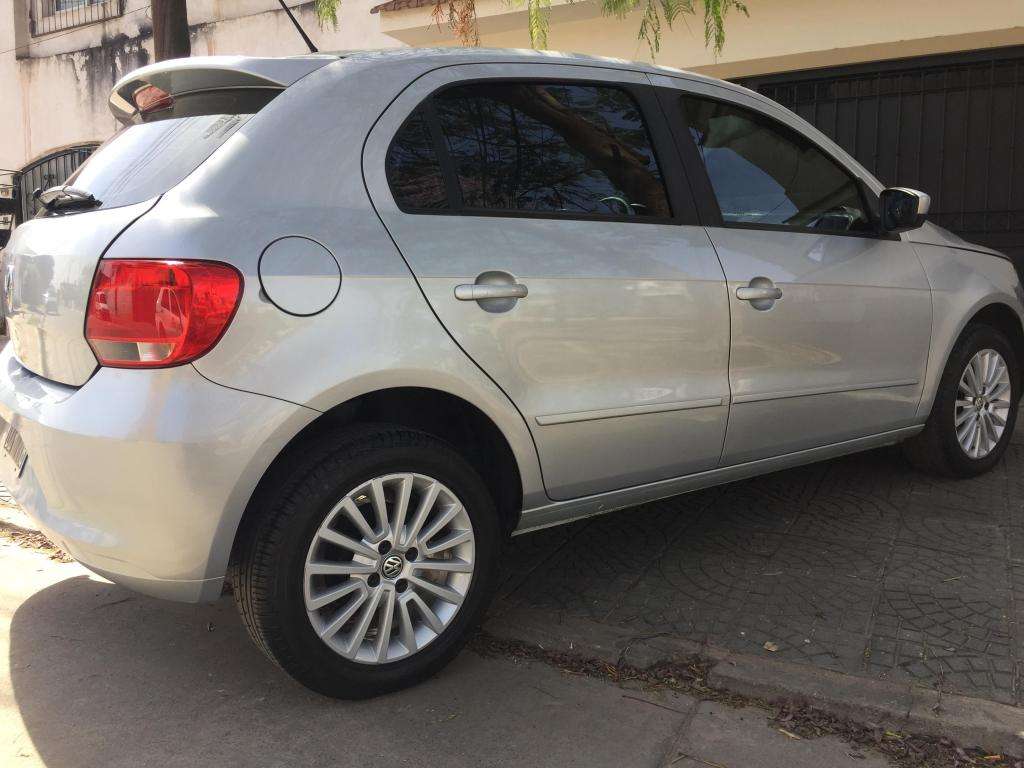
x=47, y=172
x=952, y=126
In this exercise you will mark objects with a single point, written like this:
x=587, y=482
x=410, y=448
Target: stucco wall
x=779, y=35
x=54, y=89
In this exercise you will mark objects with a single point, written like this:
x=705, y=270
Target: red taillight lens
x=153, y=314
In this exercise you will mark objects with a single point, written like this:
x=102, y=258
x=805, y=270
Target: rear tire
x=948, y=447
x=305, y=544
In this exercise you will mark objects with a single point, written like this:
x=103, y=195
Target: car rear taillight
x=153, y=314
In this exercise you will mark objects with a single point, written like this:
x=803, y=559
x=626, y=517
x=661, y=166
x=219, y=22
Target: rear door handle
x=484, y=291
x=748, y=293
x=761, y=292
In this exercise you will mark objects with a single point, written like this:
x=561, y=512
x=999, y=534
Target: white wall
x=54, y=89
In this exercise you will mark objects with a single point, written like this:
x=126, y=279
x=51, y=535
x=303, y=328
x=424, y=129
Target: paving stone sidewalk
x=860, y=565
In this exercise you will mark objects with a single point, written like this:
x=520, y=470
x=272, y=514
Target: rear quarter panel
x=295, y=169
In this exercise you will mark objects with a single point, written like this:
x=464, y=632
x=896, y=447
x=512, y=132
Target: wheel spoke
x=967, y=430
x=427, y=502
x=317, y=602
x=999, y=390
x=343, y=541
x=401, y=507
x=440, y=522
x=447, y=594
x=443, y=566
x=380, y=505
x=965, y=414
x=387, y=612
x=355, y=640
x=984, y=370
x=971, y=375
x=351, y=568
x=996, y=370
x=347, y=613
x=352, y=512
x=432, y=619
x=406, y=631
x=454, y=539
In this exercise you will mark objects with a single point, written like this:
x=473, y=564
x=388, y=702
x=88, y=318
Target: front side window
x=765, y=173
x=533, y=148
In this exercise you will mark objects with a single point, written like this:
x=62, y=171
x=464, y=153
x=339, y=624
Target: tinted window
x=413, y=170
x=573, y=149
x=765, y=173
x=146, y=159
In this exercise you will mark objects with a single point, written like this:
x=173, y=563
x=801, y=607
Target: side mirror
x=903, y=209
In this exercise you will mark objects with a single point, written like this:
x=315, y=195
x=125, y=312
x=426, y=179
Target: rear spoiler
x=210, y=73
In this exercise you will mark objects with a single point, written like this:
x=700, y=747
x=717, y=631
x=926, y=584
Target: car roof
x=447, y=56
x=454, y=55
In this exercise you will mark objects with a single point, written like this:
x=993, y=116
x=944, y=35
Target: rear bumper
x=142, y=476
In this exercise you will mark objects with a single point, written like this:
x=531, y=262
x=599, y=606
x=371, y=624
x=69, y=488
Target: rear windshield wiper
x=62, y=198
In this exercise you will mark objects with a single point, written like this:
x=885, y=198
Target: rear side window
x=559, y=149
x=765, y=173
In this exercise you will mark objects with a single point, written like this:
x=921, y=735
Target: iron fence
x=46, y=16
x=48, y=172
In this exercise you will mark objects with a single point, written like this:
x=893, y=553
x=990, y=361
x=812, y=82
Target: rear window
x=145, y=160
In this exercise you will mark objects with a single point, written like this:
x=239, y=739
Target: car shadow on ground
x=104, y=677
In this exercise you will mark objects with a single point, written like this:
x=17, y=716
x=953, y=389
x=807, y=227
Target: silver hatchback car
x=331, y=328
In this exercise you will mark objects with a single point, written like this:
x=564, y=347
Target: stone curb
x=965, y=720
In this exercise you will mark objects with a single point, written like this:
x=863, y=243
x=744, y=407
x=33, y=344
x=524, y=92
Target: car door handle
x=485, y=291
x=758, y=293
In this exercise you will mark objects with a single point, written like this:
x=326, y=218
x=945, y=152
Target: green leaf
x=327, y=12
x=539, y=16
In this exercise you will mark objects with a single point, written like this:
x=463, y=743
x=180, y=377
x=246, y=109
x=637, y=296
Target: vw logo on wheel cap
x=391, y=567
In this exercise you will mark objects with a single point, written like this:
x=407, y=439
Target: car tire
x=287, y=561
x=940, y=449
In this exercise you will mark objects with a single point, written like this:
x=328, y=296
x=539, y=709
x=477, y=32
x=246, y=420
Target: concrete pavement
x=93, y=675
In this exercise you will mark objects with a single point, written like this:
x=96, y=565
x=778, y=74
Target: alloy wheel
x=389, y=568
x=982, y=403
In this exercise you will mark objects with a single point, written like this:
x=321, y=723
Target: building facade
x=927, y=95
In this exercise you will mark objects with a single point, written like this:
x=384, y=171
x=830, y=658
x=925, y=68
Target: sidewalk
x=92, y=675
x=858, y=565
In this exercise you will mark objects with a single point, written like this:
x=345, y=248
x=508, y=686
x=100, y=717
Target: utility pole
x=170, y=30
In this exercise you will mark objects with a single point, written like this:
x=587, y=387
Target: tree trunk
x=170, y=30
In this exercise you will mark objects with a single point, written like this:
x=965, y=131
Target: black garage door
x=952, y=126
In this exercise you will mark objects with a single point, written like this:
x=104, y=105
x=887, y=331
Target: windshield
x=145, y=160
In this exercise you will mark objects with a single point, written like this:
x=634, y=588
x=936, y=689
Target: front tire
x=366, y=568
x=975, y=409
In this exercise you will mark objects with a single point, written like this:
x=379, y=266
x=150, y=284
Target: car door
x=543, y=214
x=831, y=319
